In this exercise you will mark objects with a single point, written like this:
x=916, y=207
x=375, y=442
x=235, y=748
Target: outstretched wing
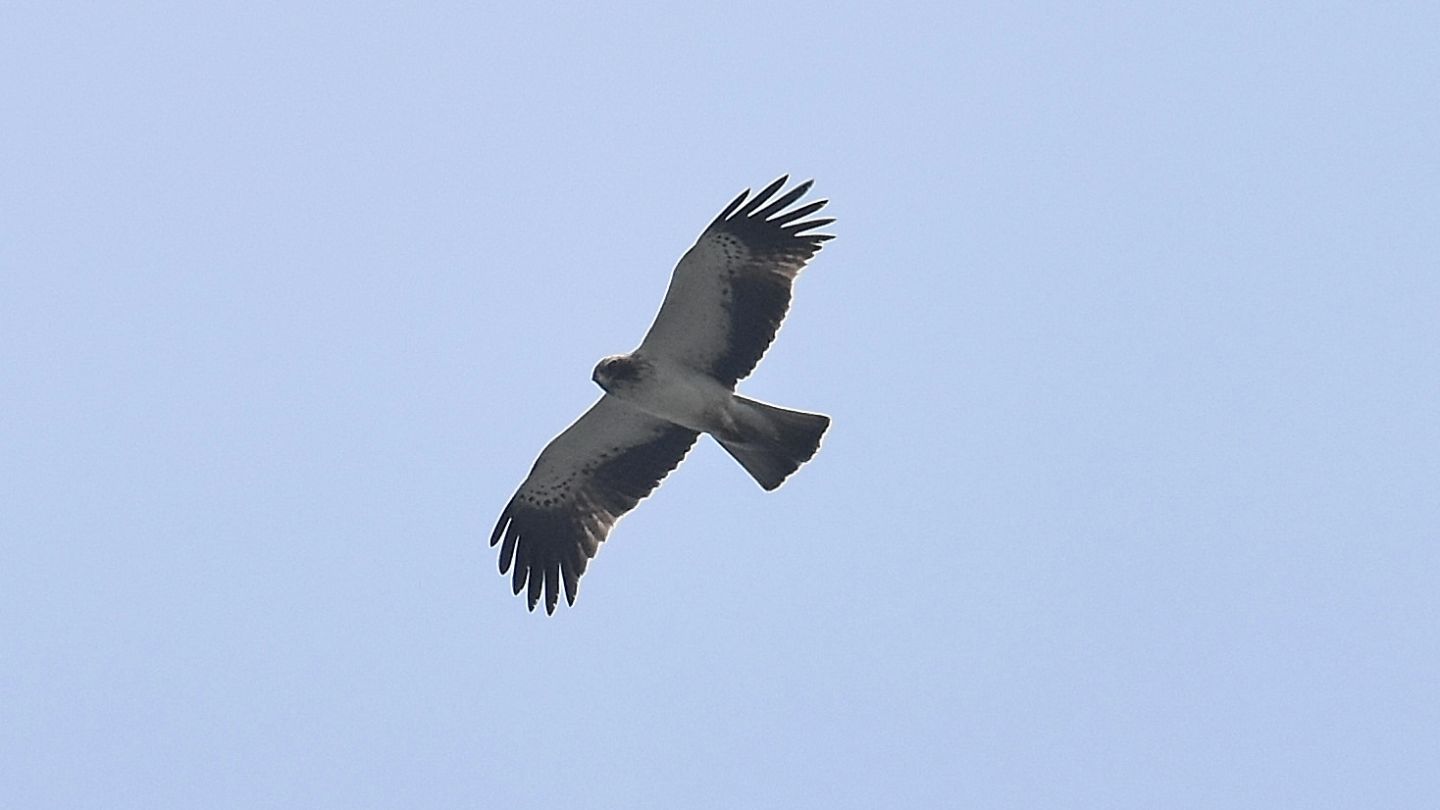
x=731, y=290
x=585, y=479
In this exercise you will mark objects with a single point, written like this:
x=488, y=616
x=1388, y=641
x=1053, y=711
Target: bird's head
x=616, y=370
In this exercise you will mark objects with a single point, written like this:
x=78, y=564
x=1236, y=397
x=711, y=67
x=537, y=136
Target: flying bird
x=725, y=302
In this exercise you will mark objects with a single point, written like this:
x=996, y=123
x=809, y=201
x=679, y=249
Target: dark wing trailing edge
x=586, y=478
x=731, y=291
x=760, y=291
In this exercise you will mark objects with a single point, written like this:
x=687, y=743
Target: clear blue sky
x=1131, y=336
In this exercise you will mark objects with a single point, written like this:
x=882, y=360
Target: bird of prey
x=726, y=300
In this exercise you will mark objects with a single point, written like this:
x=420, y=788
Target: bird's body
x=725, y=303
x=667, y=389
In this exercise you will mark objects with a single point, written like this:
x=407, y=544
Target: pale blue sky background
x=1131, y=335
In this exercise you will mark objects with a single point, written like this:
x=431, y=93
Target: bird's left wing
x=730, y=291
x=586, y=478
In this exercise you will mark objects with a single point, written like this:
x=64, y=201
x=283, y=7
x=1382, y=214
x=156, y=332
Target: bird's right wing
x=586, y=478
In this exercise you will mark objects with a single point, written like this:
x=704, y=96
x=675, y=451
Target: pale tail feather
x=777, y=441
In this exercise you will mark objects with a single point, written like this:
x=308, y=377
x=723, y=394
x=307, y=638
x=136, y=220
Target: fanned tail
x=776, y=441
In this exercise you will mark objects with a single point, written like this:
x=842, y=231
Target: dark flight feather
x=548, y=540
x=760, y=290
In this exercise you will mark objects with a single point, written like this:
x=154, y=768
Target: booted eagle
x=726, y=300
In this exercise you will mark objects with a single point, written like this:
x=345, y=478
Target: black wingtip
x=730, y=209
x=512, y=537
x=759, y=199
x=552, y=584
x=765, y=225
x=783, y=200
x=517, y=579
x=537, y=581
x=745, y=206
x=803, y=211
x=800, y=228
